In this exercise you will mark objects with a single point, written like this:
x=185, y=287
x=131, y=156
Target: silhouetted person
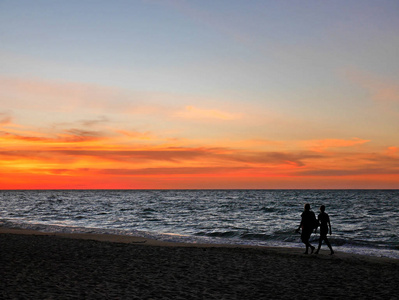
x=324, y=221
x=308, y=221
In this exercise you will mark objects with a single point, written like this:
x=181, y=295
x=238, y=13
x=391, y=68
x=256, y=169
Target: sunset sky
x=199, y=94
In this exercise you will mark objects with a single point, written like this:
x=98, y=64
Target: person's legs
x=323, y=236
x=329, y=245
x=311, y=248
x=305, y=240
x=320, y=241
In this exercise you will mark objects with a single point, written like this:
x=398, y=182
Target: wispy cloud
x=134, y=134
x=381, y=90
x=172, y=171
x=68, y=136
x=392, y=151
x=67, y=98
x=325, y=144
x=94, y=122
x=354, y=172
x=105, y=160
x=5, y=118
x=79, y=135
x=54, y=96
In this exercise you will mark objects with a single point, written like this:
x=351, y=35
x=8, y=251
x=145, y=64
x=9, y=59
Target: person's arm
x=329, y=224
x=299, y=227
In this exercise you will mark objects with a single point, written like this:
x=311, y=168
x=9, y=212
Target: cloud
x=381, y=90
x=271, y=158
x=83, y=99
x=113, y=162
x=172, y=171
x=323, y=145
x=354, y=172
x=17, y=137
x=68, y=136
x=79, y=135
x=94, y=122
x=5, y=118
x=392, y=151
x=178, y=157
x=354, y=164
x=54, y=96
x=136, y=134
x=170, y=155
x=192, y=112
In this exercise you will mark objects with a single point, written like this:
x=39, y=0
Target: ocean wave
x=237, y=217
x=239, y=235
x=222, y=234
x=148, y=211
x=268, y=209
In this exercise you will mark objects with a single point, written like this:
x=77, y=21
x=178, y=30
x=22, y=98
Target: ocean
x=363, y=221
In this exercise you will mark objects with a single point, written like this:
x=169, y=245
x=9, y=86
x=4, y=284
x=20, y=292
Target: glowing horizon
x=177, y=95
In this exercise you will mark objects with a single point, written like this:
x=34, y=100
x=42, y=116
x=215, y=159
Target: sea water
x=363, y=221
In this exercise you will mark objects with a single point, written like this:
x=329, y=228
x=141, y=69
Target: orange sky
x=207, y=95
x=99, y=155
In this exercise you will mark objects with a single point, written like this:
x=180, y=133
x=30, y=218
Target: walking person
x=325, y=226
x=308, y=223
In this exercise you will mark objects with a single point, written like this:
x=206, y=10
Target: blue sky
x=200, y=46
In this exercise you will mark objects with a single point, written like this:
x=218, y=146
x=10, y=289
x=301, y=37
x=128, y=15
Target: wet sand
x=37, y=265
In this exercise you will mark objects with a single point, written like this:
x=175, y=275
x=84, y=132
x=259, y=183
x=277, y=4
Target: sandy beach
x=36, y=265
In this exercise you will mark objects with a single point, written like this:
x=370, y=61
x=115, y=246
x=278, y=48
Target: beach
x=37, y=265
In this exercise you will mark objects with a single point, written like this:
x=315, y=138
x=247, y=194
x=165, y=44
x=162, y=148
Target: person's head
x=322, y=208
x=307, y=206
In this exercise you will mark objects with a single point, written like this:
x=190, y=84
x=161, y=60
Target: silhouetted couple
x=309, y=223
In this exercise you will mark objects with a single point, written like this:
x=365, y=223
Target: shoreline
x=130, y=239
x=38, y=265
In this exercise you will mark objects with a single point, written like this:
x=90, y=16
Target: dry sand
x=38, y=265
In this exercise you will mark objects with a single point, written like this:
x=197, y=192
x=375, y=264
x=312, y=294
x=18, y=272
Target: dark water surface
x=363, y=221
